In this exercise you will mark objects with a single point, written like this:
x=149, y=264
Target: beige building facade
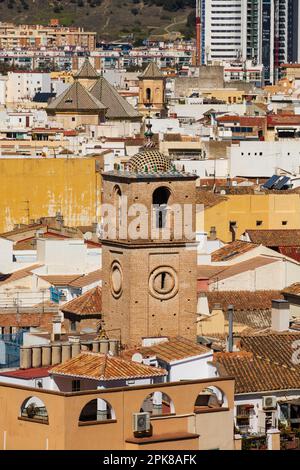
x=187, y=428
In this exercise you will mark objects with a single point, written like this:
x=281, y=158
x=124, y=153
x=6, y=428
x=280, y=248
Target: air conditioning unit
x=141, y=422
x=269, y=403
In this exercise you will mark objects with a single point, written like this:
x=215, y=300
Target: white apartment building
x=266, y=31
x=264, y=159
x=222, y=29
x=24, y=85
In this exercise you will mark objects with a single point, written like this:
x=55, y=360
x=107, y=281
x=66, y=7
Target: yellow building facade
x=251, y=211
x=34, y=188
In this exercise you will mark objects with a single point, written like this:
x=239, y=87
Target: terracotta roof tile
x=27, y=374
x=174, y=350
x=104, y=367
x=294, y=289
x=247, y=121
x=88, y=279
x=231, y=250
x=209, y=271
x=276, y=347
x=275, y=237
x=17, y=275
x=283, y=120
x=60, y=279
x=208, y=198
x=243, y=300
x=244, y=266
x=89, y=303
x=255, y=374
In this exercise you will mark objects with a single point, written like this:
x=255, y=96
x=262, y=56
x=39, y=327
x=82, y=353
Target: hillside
x=112, y=19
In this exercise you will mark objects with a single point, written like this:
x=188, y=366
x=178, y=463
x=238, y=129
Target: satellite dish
x=137, y=357
x=88, y=236
x=270, y=107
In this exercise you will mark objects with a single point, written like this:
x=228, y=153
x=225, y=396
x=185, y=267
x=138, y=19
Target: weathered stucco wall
x=33, y=188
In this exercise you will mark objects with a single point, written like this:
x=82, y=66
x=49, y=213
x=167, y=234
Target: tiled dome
x=149, y=160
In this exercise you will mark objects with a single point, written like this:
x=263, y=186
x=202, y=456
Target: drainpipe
x=230, y=324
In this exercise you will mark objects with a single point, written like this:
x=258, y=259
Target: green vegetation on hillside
x=111, y=19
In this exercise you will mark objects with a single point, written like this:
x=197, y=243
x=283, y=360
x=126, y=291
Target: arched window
x=97, y=410
x=35, y=409
x=148, y=94
x=117, y=198
x=158, y=403
x=211, y=397
x=160, y=200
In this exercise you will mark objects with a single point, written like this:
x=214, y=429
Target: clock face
x=163, y=283
x=116, y=279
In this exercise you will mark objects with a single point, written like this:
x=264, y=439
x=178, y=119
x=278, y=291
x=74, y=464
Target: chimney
x=212, y=233
x=59, y=219
x=230, y=327
x=280, y=315
x=94, y=227
x=56, y=328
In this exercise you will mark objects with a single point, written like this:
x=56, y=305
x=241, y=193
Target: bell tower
x=151, y=90
x=149, y=252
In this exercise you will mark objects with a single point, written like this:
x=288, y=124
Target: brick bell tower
x=149, y=277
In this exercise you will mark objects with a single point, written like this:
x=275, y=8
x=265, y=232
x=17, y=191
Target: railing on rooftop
x=26, y=302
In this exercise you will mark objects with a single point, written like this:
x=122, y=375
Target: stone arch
x=211, y=397
x=34, y=408
x=158, y=403
x=148, y=94
x=161, y=198
x=97, y=410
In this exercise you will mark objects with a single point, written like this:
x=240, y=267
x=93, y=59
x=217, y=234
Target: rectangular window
x=258, y=223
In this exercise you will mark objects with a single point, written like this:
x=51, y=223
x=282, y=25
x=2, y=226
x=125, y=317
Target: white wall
x=190, y=368
x=263, y=158
x=24, y=85
x=197, y=111
x=204, y=168
x=262, y=278
x=6, y=255
x=46, y=382
x=62, y=256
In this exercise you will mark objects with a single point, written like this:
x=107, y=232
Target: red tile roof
x=283, y=120
x=60, y=279
x=245, y=121
x=18, y=275
x=104, y=367
x=232, y=250
x=255, y=374
x=274, y=238
x=275, y=347
x=174, y=350
x=27, y=374
x=244, y=266
x=87, y=279
x=89, y=303
x=293, y=289
x=243, y=300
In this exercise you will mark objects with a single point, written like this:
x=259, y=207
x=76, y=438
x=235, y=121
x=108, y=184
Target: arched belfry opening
x=160, y=200
x=148, y=95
